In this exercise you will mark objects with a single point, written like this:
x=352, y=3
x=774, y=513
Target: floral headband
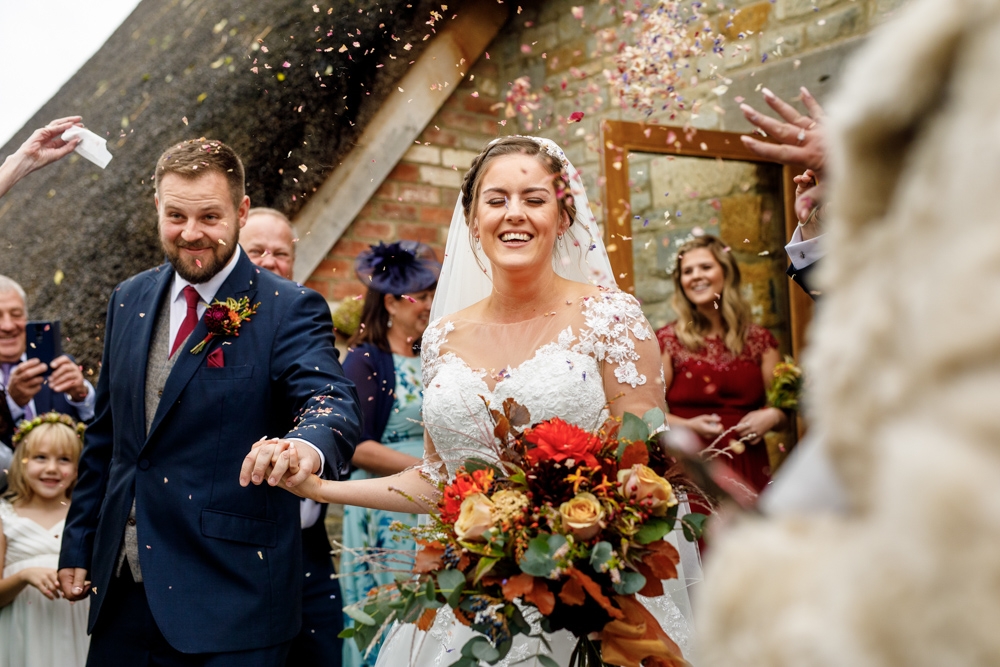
x=24, y=428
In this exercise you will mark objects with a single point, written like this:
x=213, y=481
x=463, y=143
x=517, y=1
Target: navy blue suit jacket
x=221, y=564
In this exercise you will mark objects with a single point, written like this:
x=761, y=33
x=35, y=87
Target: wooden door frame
x=619, y=138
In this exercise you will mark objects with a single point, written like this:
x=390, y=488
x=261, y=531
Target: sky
x=45, y=44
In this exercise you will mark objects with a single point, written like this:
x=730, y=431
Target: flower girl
x=37, y=628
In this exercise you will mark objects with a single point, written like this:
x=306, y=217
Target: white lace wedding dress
x=568, y=363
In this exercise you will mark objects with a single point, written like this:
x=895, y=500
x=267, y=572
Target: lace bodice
x=568, y=363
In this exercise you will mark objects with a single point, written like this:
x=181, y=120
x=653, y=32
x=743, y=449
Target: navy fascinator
x=398, y=268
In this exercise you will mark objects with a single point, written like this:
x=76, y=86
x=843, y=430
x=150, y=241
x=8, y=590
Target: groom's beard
x=211, y=263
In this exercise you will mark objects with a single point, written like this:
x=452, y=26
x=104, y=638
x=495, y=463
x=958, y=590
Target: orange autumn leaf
x=662, y=560
x=533, y=590
x=541, y=597
x=572, y=593
x=594, y=589
x=636, y=639
x=653, y=587
x=518, y=586
x=429, y=557
x=633, y=454
x=426, y=619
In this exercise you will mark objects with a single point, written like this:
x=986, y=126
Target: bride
x=526, y=308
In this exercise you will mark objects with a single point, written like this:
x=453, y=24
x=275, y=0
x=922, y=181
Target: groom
x=187, y=567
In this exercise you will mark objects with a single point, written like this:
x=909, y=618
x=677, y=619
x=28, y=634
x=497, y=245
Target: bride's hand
x=311, y=487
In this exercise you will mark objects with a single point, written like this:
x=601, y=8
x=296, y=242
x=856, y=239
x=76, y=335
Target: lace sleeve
x=430, y=348
x=618, y=335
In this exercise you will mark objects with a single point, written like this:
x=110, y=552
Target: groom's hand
x=265, y=462
x=74, y=584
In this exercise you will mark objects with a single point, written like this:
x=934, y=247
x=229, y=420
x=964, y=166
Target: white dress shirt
x=309, y=510
x=804, y=253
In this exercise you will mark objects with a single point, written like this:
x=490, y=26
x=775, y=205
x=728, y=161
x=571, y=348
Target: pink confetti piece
x=576, y=117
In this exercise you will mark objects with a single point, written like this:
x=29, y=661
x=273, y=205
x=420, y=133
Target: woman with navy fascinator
x=384, y=364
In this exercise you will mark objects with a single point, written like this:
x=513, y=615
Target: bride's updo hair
x=515, y=146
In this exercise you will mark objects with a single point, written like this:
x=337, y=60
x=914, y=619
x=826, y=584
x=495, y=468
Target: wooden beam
x=393, y=130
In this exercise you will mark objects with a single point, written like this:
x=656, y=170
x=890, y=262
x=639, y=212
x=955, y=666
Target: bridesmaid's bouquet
x=565, y=522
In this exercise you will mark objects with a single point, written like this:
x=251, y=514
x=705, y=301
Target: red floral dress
x=714, y=381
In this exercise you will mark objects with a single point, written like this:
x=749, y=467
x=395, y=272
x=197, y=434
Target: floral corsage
x=224, y=318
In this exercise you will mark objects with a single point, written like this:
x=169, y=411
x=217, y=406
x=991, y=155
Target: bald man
x=269, y=241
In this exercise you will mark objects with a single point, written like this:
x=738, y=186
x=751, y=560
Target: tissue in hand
x=91, y=146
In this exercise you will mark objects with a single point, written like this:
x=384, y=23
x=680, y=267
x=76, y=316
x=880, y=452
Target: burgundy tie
x=190, y=320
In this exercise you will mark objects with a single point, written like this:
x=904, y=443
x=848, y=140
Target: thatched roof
x=192, y=59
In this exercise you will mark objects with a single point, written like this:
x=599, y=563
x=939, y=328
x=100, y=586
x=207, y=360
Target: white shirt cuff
x=16, y=411
x=804, y=253
x=85, y=407
x=309, y=512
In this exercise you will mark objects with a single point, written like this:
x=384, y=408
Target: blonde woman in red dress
x=717, y=363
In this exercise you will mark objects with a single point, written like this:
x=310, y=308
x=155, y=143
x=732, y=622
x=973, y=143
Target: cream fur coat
x=905, y=364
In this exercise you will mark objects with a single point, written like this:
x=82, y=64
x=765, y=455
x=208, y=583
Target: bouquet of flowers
x=567, y=522
x=786, y=386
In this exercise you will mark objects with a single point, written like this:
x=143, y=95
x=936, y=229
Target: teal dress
x=365, y=528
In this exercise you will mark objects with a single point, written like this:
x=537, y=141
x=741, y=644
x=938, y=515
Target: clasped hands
x=28, y=376
x=282, y=463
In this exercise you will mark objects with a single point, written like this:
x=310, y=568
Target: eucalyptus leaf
x=537, y=560
x=346, y=633
x=451, y=583
x=653, y=530
x=480, y=647
x=633, y=429
x=694, y=526
x=430, y=593
x=547, y=661
x=359, y=616
x=631, y=582
x=653, y=419
x=600, y=555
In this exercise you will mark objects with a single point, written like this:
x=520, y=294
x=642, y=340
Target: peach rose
x=582, y=515
x=642, y=484
x=474, y=518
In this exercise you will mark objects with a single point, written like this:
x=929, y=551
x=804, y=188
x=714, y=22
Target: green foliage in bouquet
x=786, y=386
x=565, y=522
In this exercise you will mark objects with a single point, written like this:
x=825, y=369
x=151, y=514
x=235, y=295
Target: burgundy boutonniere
x=224, y=318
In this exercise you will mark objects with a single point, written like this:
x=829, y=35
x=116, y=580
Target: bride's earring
x=388, y=325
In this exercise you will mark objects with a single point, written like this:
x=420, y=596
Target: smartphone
x=44, y=341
